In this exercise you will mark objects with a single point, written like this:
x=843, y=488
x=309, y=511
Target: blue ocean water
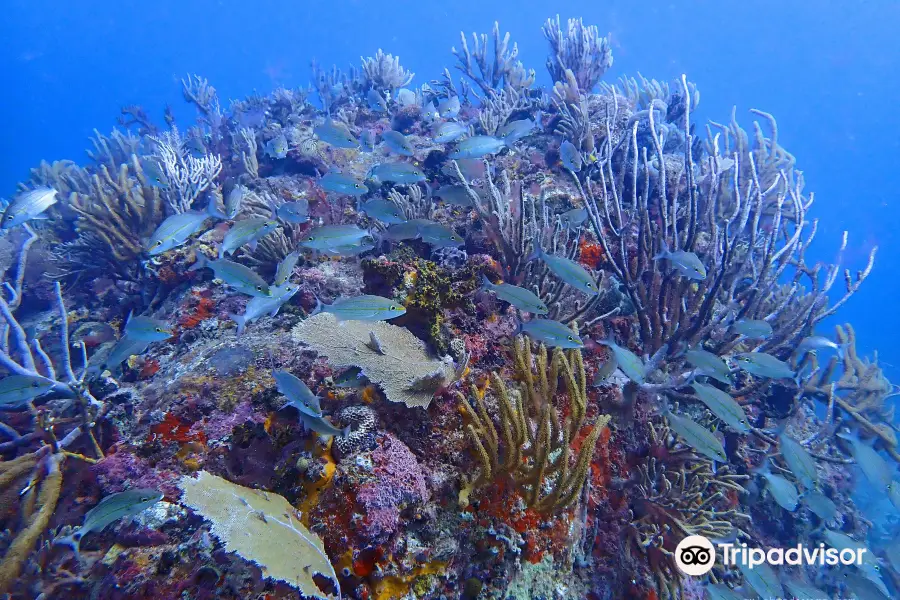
x=826, y=70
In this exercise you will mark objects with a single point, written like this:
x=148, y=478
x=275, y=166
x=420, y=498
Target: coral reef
x=646, y=358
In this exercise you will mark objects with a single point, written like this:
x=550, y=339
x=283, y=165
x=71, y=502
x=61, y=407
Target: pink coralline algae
x=123, y=469
x=399, y=483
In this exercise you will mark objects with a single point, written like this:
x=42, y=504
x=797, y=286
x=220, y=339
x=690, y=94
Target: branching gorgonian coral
x=534, y=442
x=383, y=72
x=579, y=49
x=495, y=72
x=188, y=176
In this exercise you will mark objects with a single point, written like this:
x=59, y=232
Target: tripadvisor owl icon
x=695, y=555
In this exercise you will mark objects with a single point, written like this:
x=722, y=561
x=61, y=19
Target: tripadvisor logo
x=695, y=555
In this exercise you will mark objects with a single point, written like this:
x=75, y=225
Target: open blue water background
x=828, y=70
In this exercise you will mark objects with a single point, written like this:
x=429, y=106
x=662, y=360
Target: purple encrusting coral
x=544, y=436
x=399, y=484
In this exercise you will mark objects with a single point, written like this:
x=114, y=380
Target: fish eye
x=571, y=339
x=311, y=238
x=157, y=244
x=259, y=287
x=159, y=330
x=392, y=307
x=35, y=384
x=590, y=285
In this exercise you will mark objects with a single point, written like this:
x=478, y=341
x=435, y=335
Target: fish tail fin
x=780, y=426
x=240, y=320
x=663, y=251
x=200, y=263
x=842, y=350
x=345, y=431
x=486, y=283
x=538, y=252
x=519, y=327
x=763, y=468
x=73, y=541
x=213, y=211
x=319, y=307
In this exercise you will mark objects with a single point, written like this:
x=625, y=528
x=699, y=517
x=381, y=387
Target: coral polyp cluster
x=467, y=339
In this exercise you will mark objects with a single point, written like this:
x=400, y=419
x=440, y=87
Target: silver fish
x=246, y=231
x=335, y=134
x=124, y=349
x=286, y=267
x=331, y=236
x=351, y=378
x=799, y=590
x=783, y=491
x=720, y=591
x=455, y=194
x=519, y=297
x=818, y=342
x=573, y=219
x=516, y=130
x=570, y=156
x=798, y=461
x=448, y=108
x=27, y=205
x=323, y=427
x=294, y=212
x=840, y=542
x=873, y=466
x=407, y=230
x=367, y=140
x=440, y=236
x=175, y=231
x=710, y=364
x=16, y=390
x=686, y=263
x=277, y=147
x=696, y=436
x=763, y=579
x=604, y=371
x=109, y=510
x=258, y=307
x=297, y=393
x=723, y=406
x=243, y=279
x=567, y=270
x=397, y=172
x=820, y=504
x=863, y=588
x=397, y=143
x=629, y=362
x=478, y=146
x=449, y=131
x=343, y=184
x=551, y=333
x=154, y=173
x=147, y=329
x=893, y=491
x=376, y=101
x=363, y=308
x=764, y=365
x=351, y=249
x=383, y=210
x=752, y=328
x=233, y=201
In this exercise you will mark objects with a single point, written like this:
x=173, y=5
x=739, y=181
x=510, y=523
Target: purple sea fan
x=399, y=482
